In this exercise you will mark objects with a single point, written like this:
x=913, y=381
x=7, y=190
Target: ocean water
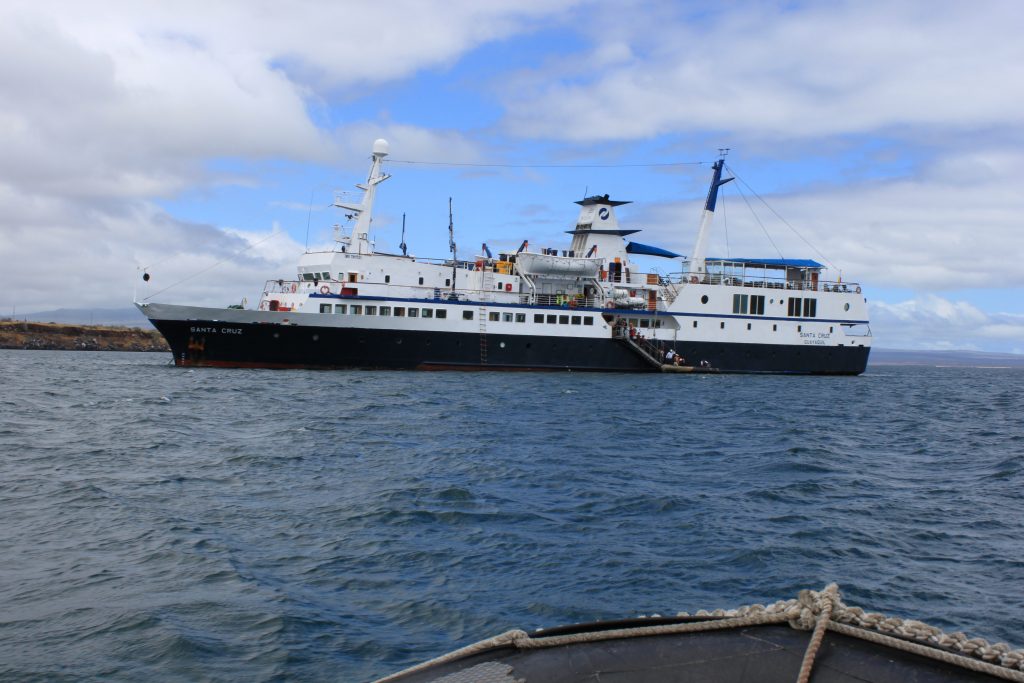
x=165, y=524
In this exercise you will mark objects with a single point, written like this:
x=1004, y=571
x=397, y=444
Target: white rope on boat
x=817, y=610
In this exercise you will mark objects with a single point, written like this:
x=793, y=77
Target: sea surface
x=165, y=524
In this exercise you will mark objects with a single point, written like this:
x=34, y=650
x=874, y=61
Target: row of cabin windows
x=806, y=308
x=353, y=277
x=552, y=319
x=396, y=311
x=748, y=303
x=775, y=328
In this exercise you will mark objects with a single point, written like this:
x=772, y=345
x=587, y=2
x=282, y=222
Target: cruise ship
x=585, y=306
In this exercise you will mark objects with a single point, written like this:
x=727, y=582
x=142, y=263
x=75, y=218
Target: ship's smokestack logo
x=603, y=213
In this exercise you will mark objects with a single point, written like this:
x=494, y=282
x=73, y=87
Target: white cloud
x=934, y=231
x=780, y=70
x=932, y=322
x=105, y=106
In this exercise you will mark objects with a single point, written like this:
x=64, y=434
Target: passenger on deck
x=679, y=360
x=670, y=356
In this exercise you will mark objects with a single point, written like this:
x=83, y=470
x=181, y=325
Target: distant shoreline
x=60, y=337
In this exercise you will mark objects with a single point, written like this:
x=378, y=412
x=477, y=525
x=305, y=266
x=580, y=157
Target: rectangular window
x=811, y=308
x=357, y=310
x=399, y=311
x=538, y=317
x=748, y=326
x=552, y=319
x=371, y=310
x=563, y=320
x=520, y=317
x=775, y=328
x=588, y=321
x=799, y=328
x=739, y=303
x=325, y=308
x=634, y=322
x=794, y=306
x=413, y=312
x=721, y=325
x=506, y=317
x=467, y=315
x=498, y=286
x=576, y=320
x=441, y=313
x=757, y=304
x=387, y=279
x=326, y=276
x=494, y=316
x=657, y=323
x=308, y=276
x=694, y=324
x=385, y=310
x=341, y=309
x=421, y=281
x=448, y=282
x=427, y=313
x=644, y=322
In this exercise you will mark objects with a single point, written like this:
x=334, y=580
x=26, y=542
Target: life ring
x=610, y=304
x=508, y=286
x=294, y=287
x=324, y=289
x=693, y=280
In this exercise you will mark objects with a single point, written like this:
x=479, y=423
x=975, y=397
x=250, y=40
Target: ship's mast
x=700, y=249
x=360, y=241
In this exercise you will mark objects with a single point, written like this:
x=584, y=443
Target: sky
x=205, y=142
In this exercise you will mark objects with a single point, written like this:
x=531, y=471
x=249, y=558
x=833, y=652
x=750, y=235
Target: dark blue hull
x=293, y=346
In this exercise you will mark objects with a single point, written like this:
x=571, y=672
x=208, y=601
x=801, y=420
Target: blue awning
x=648, y=250
x=769, y=262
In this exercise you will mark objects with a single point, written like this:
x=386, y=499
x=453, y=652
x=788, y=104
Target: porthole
x=502, y=344
x=704, y=299
x=276, y=335
x=846, y=307
x=316, y=337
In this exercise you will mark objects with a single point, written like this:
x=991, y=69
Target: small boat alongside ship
x=586, y=307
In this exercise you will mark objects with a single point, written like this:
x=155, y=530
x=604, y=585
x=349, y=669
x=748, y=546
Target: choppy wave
x=258, y=525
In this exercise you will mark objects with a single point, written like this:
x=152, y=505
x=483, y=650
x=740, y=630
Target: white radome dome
x=380, y=146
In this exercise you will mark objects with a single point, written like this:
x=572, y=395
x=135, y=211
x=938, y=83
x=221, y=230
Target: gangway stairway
x=652, y=356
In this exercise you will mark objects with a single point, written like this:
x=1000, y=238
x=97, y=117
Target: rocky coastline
x=15, y=334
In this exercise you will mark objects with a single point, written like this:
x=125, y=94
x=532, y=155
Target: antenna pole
x=451, y=242
x=402, y=245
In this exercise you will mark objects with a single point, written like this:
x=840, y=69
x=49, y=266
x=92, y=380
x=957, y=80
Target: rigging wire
x=208, y=268
x=758, y=219
x=725, y=225
x=483, y=165
x=784, y=221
